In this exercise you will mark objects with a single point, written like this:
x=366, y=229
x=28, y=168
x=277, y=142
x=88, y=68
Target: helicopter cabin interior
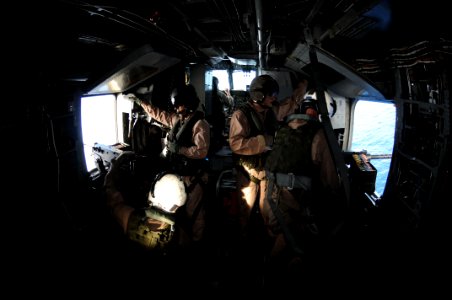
x=382, y=63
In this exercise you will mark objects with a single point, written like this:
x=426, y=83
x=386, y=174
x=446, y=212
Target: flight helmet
x=307, y=111
x=261, y=86
x=167, y=192
x=311, y=101
x=185, y=95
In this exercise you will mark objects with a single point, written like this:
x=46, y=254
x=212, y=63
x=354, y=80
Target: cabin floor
x=78, y=248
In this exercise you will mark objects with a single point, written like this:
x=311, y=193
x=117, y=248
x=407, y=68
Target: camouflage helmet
x=261, y=86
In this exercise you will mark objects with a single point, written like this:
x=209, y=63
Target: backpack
x=291, y=151
x=154, y=232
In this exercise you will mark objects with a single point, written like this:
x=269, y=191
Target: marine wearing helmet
x=261, y=86
x=185, y=96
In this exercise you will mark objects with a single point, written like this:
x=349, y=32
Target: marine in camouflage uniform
x=302, y=182
x=188, y=144
x=251, y=133
x=187, y=148
x=149, y=226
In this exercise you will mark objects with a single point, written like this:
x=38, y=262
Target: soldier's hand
x=133, y=98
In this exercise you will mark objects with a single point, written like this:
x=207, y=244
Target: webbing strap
x=287, y=234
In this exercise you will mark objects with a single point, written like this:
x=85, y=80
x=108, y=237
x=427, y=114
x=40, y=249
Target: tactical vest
x=291, y=152
x=257, y=127
x=182, y=135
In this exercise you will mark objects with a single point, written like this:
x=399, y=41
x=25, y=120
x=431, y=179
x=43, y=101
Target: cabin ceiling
x=80, y=41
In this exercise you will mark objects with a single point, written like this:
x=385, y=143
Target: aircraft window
x=373, y=131
x=98, y=124
x=223, y=79
x=242, y=79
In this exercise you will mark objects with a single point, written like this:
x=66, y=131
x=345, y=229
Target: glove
x=172, y=147
x=266, y=141
x=133, y=98
x=261, y=139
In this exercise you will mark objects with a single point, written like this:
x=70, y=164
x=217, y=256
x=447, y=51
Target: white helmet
x=331, y=104
x=168, y=192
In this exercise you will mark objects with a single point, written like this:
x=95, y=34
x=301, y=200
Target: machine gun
x=105, y=154
x=142, y=166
